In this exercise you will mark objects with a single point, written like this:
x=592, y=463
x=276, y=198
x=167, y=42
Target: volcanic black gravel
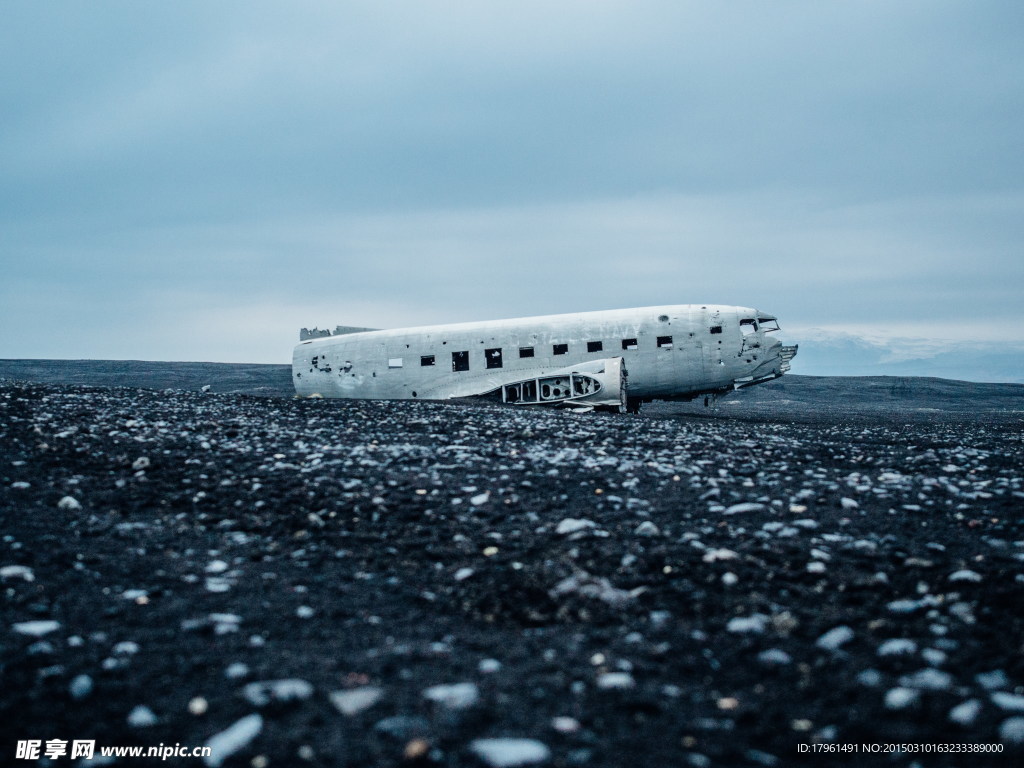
x=316, y=582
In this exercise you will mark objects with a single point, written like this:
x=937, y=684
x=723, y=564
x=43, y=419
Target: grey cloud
x=823, y=161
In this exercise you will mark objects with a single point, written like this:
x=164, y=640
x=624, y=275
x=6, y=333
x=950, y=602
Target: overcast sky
x=197, y=181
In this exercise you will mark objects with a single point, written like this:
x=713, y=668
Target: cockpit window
x=748, y=325
x=768, y=324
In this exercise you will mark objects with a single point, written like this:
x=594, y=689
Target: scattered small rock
x=615, y=681
x=509, y=752
x=357, y=700
x=755, y=624
x=232, y=739
x=22, y=572
x=1011, y=731
x=454, y=696
x=142, y=717
x=36, y=628
x=835, y=638
x=1010, y=702
x=572, y=525
x=261, y=693
x=901, y=698
x=80, y=687
x=965, y=714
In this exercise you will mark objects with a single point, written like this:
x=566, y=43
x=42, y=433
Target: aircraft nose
x=776, y=358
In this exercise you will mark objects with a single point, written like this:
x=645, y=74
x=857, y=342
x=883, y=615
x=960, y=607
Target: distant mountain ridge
x=826, y=353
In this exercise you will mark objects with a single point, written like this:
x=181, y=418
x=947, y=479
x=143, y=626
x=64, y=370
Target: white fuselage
x=675, y=351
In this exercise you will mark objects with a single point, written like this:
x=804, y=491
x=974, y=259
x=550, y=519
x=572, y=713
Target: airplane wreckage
x=609, y=360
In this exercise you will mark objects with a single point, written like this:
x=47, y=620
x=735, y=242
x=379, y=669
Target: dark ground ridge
x=791, y=397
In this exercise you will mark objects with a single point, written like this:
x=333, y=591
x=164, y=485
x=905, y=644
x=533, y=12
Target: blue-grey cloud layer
x=215, y=175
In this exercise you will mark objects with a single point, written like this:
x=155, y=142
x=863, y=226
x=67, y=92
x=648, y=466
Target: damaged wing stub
x=583, y=387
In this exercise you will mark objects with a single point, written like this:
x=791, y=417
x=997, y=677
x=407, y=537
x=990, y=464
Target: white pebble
x=233, y=738
x=993, y=680
x=869, y=677
x=198, y=705
x=715, y=555
x=966, y=713
x=565, y=724
x=774, y=656
x=755, y=624
x=36, y=628
x=17, y=572
x=290, y=689
x=615, y=681
x=901, y=698
x=647, y=528
x=357, y=700
x=488, y=666
x=835, y=638
x=217, y=584
x=736, y=509
x=141, y=717
x=69, y=503
x=1011, y=731
x=453, y=696
x=1011, y=702
x=80, y=687
x=928, y=680
x=896, y=647
x=965, y=575
x=509, y=753
x=572, y=525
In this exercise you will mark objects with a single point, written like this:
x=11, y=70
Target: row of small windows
x=493, y=357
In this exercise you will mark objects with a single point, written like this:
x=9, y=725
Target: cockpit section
x=766, y=358
x=762, y=323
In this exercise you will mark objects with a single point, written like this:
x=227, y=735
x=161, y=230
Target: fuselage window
x=426, y=360
x=629, y=344
x=394, y=362
x=716, y=329
x=560, y=349
x=493, y=357
x=595, y=346
x=526, y=351
x=665, y=342
x=460, y=361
